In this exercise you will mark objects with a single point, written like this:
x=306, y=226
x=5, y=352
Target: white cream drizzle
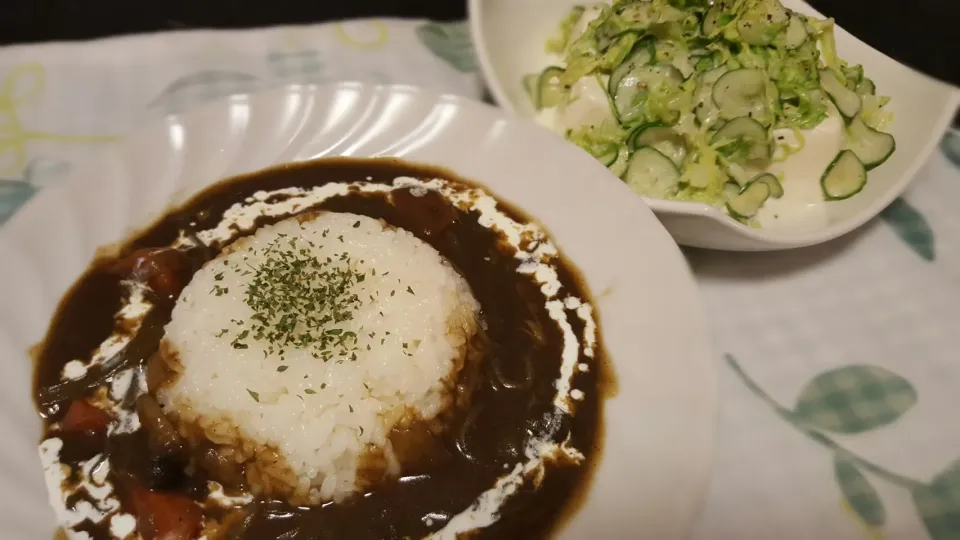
x=122, y=525
x=125, y=381
x=92, y=480
x=218, y=497
x=484, y=511
x=92, y=474
x=537, y=259
x=133, y=311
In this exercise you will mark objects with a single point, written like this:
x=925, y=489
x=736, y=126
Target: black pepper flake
x=409, y=290
x=356, y=224
x=281, y=369
x=254, y=395
x=309, y=391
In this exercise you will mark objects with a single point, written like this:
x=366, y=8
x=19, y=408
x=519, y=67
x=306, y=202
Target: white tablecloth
x=840, y=364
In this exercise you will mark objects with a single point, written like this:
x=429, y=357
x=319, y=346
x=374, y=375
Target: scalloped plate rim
x=669, y=487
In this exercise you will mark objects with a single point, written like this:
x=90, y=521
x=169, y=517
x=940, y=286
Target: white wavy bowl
x=510, y=35
x=659, y=432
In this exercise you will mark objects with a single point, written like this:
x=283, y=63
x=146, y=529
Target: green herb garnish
x=298, y=300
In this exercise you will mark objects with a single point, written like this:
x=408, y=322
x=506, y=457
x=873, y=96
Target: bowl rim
x=776, y=240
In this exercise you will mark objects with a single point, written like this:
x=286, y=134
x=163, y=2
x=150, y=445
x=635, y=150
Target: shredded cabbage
x=597, y=139
x=558, y=44
x=696, y=38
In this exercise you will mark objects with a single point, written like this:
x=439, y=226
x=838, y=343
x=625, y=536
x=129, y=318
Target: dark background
x=924, y=34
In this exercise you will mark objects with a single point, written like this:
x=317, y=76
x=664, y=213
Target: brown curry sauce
x=512, y=397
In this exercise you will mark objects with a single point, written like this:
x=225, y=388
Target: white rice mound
x=310, y=431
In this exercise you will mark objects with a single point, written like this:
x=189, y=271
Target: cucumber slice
x=853, y=75
x=762, y=22
x=640, y=14
x=607, y=154
x=718, y=17
x=642, y=54
x=742, y=139
x=619, y=165
x=703, y=63
x=796, y=34
x=530, y=87
x=844, y=177
x=776, y=190
x=652, y=174
x=748, y=202
x=706, y=110
x=664, y=139
x=620, y=49
x=607, y=34
x=846, y=100
x=631, y=91
x=743, y=92
x=550, y=92
x=871, y=147
x=866, y=87
x=738, y=174
x=731, y=190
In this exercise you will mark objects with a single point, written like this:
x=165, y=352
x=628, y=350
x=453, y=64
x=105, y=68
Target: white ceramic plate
x=510, y=36
x=660, y=425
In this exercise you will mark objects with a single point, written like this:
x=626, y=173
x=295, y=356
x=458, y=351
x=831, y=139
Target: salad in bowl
x=743, y=105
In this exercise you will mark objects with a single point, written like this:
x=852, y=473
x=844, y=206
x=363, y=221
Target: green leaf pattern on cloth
x=859, y=493
x=16, y=192
x=854, y=399
x=938, y=504
x=911, y=227
x=879, y=398
x=197, y=88
x=451, y=42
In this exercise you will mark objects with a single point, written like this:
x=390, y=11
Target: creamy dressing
x=588, y=106
x=802, y=205
x=590, y=14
